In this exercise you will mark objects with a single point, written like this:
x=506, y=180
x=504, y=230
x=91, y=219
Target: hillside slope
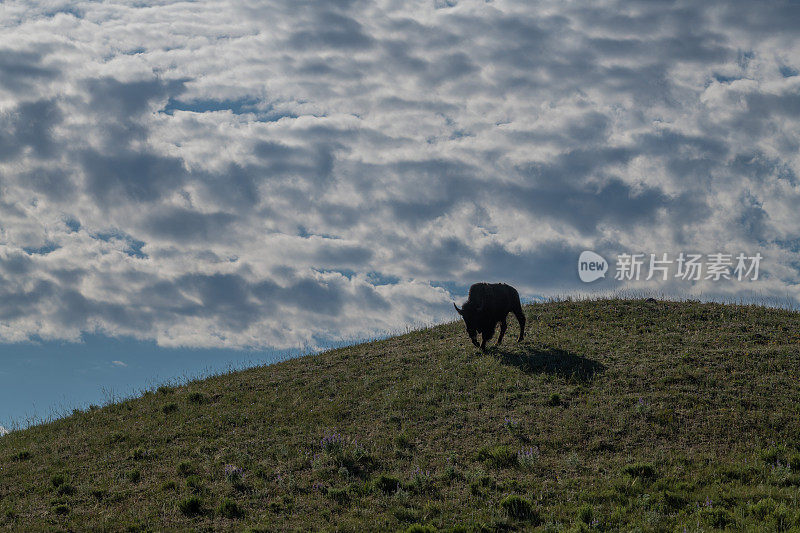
x=612, y=414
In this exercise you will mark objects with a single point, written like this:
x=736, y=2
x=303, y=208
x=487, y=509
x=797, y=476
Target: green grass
x=611, y=415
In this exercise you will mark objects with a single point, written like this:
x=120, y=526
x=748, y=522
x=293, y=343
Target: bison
x=488, y=304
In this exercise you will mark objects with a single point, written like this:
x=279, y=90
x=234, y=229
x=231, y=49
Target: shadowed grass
x=552, y=361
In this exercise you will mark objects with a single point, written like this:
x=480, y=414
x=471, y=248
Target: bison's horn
x=457, y=309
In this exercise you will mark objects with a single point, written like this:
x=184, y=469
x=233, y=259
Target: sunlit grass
x=613, y=414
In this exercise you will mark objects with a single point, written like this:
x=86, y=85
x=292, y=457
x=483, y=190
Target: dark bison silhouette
x=488, y=304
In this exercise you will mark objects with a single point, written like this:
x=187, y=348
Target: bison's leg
x=486, y=335
x=520, y=318
x=503, y=326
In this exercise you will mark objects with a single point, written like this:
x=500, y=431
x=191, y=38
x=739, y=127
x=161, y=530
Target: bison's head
x=470, y=317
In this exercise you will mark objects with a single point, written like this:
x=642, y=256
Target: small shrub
x=738, y=472
x=134, y=476
x=234, y=474
x=768, y=511
x=185, y=468
x=58, y=479
x=764, y=508
x=66, y=490
x=138, y=454
x=347, y=454
x=407, y=514
x=170, y=408
x=717, y=517
x=640, y=470
x=230, y=509
x=780, y=474
x=197, y=397
x=665, y=417
x=387, y=484
x=773, y=454
x=340, y=496
x=794, y=462
x=61, y=509
x=498, y=456
x=518, y=508
x=403, y=441
x=586, y=513
x=782, y=518
x=169, y=485
x=480, y=483
x=116, y=437
x=22, y=455
x=674, y=501
x=194, y=483
x=191, y=506
x=165, y=389
x=419, y=528
x=451, y=473
x=261, y=472
x=99, y=493
x=284, y=504
x=554, y=400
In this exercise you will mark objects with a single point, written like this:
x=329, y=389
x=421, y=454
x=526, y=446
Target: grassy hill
x=613, y=414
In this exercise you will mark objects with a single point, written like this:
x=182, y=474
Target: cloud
x=119, y=363
x=3, y=431
x=284, y=174
x=22, y=69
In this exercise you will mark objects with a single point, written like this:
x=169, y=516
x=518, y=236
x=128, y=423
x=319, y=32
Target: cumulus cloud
x=284, y=173
x=3, y=431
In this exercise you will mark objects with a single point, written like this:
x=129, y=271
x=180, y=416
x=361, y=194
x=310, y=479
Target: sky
x=190, y=185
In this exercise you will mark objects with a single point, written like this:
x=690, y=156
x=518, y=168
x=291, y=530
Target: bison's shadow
x=551, y=361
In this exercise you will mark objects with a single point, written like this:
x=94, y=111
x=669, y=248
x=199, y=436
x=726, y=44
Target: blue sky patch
x=133, y=246
x=41, y=250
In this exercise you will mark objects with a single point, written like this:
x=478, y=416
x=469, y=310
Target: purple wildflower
x=528, y=456
x=233, y=473
x=331, y=441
